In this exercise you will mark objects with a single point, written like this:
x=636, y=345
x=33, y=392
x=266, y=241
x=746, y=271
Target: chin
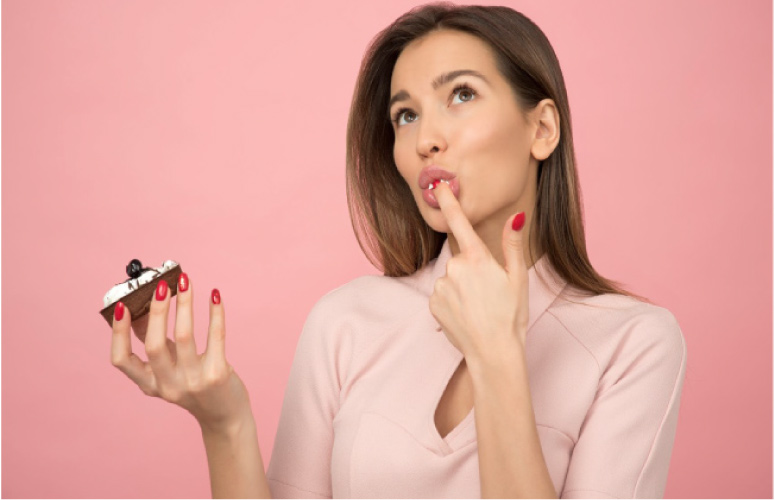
x=437, y=222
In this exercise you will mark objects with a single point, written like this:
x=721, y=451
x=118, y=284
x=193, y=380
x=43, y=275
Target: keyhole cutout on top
x=456, y=402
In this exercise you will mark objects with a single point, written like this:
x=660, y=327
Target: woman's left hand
x=481, y=307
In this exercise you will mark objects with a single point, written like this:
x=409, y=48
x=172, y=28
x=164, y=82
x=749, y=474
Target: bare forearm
x=511, y=461
x=234, y=460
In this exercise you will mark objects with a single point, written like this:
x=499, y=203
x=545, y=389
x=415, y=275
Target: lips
x=433, y=173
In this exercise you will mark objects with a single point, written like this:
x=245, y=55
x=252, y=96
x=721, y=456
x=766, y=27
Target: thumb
x=512, y=245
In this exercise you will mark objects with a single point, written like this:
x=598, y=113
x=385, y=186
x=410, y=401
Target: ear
x=546, y=123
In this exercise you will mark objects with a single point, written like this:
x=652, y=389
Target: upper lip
x=432, y=173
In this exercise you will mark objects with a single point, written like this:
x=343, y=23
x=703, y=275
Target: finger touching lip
x=430, y=198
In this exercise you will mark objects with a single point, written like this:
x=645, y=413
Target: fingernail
x=519, y=221
x=183, y=282
x=119, y=311
x=216, y=296
x=435, y=183
x=161, y=290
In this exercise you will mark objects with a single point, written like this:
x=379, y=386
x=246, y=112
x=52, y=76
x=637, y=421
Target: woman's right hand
x=206, y=385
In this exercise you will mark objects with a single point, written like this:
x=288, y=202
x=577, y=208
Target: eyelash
x=462, y=86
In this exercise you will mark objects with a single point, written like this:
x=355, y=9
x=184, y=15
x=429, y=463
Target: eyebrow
x=440, y=80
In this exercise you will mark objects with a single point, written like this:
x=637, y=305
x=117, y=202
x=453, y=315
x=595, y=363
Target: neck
x=492, y=236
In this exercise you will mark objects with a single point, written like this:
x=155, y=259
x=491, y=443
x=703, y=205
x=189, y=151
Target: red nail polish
x=436, y=183
x=183, y=282
x=216, y=295
x=119, y=311
x=519, y=221
x=161, y=290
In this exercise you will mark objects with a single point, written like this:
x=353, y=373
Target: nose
x=430, y=137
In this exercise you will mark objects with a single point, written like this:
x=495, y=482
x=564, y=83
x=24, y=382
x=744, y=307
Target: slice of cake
x=137, y=292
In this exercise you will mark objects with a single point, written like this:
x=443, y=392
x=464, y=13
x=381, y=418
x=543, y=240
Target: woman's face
x=476, y=133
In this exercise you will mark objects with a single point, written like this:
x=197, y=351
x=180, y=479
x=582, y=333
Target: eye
x=462, y=89
x=398, y=114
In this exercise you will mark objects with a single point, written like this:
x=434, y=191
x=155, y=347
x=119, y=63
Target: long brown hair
x=381, y=202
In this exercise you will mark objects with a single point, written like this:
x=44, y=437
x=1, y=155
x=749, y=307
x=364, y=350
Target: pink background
x=213, y=133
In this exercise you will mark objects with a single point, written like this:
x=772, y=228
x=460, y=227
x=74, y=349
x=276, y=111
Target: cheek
x=401, y=163
x=495, y=160
x=492, y=135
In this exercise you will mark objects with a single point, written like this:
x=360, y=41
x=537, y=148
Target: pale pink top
x=369, y=370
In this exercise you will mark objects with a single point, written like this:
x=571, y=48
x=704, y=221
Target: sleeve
x=626, y=440
x=300, y=466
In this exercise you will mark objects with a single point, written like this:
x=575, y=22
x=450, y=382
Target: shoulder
x=379, y=297
x=365, y=306
x=616, y=328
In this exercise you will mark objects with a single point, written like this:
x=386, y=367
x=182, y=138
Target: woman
x=490, y=358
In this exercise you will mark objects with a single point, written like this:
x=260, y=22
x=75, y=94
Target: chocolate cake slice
x=137, y=292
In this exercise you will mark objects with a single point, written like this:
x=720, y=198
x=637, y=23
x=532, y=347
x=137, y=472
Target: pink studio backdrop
x=213, y=133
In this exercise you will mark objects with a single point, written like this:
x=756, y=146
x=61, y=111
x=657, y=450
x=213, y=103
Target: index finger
x=121, y=355
x=457, y=220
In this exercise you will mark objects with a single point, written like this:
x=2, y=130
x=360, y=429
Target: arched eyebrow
x=440, y=80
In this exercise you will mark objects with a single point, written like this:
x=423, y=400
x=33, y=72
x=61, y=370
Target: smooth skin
x=204, y=384
x=482, y=138
x=481, y=303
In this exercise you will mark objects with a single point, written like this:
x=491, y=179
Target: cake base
x=138, y=302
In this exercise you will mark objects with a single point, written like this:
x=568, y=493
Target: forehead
x=439, y=51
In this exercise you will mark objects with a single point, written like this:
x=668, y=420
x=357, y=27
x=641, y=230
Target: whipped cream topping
x=133, y=284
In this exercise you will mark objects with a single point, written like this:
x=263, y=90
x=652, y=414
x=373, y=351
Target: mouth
x=433, y=173
x=429, y=195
